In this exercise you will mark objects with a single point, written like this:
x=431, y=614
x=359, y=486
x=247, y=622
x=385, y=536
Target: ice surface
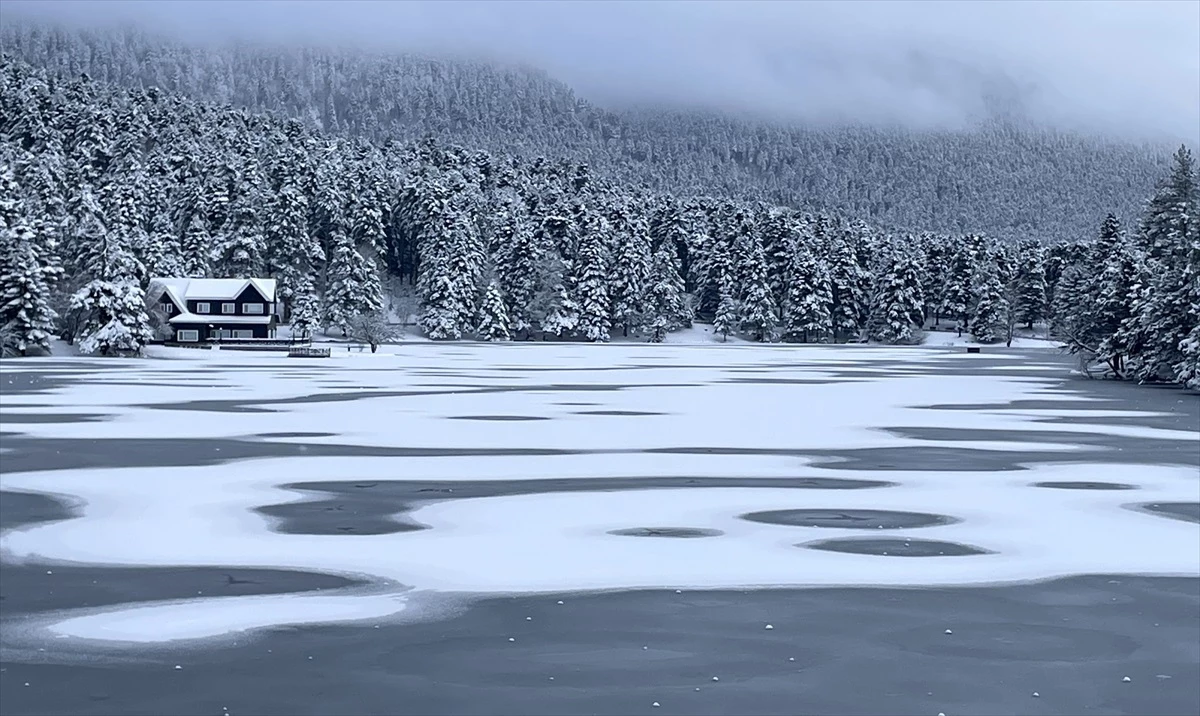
x=551, y=542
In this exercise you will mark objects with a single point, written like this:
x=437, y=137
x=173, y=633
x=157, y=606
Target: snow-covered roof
x=214, y=318
x=213, y=289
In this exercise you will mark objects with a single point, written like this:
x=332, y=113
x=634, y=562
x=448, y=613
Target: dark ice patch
x=895, y=547
x=849, y=519
x=1084, y=485
x=622, y=413
x=50, y=418
x=675, y=532
x=38, y=587
x=499, y=418
x=381, y=507
x=18, y=509
x=295, y=435
x=1186, y=511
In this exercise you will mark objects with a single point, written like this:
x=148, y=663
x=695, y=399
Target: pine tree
x=630, y=269
x=516, y=256
x=29, y=269
x=114, y=320
x=241, y=248
x=989, y=312
x=1029, y=283
x=849, y=290
x=27, y=276
x=1111, y=305
x=352, y=283
x=808, y=316
x=493, y=317
x=897, y=304
x=305, y=308
x=196, y=246
x=668, y=307
x=1158, y=331
x=591, y=282
x=758, y=307
x=956, y=294
x=292, y=252
x=726, y=319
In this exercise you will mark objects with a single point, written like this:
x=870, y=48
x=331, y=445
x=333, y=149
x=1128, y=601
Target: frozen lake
x=394, y=533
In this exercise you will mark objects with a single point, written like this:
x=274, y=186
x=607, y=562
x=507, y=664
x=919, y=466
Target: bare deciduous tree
x=372, y=329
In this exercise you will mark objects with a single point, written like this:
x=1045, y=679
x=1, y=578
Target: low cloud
x=1131, y=68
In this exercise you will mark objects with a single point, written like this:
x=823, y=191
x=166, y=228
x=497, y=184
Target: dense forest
x=104, y=186
x=1004, y=179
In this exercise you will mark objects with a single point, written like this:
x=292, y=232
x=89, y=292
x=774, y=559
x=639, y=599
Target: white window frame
x=252, y=309
x=204, y=307
x=228, y=309
x=243, y=333
x=188, y=335
x=167, y=308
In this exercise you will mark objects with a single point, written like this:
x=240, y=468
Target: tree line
x=102, y=188
x=1003, y=177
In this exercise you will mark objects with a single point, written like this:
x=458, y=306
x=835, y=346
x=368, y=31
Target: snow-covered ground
x=622, y=410
x=951, y=338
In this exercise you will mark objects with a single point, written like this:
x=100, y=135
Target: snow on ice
x=698, y=397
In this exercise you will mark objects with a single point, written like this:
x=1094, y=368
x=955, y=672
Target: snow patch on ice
x=206, y=618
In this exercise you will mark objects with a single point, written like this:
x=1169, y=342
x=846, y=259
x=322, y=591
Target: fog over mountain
x=1131, y=69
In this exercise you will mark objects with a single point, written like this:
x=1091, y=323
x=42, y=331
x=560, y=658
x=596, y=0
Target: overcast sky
x=1129, y=67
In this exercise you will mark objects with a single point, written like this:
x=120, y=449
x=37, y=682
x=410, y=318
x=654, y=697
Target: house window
x=203, y=308
x=189, y=336
x=255, y=308
x=243, y=333
x=228, y=308
x=166, y=308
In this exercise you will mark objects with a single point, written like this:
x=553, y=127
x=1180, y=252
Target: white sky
x=1129, y=67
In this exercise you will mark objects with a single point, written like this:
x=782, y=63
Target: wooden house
x=204, y=309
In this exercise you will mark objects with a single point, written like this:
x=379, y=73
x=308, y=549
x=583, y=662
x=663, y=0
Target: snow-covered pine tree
x=241, y=246
x=467, y=261
x=114, y=320
x=493, y=317
x=668, y=307
x=305, y=308
x=1166, y=313
x=292, y=253
x=758, y=316
x=553, y=305
x=726, y=318
x=850, y=287
x=1029, y=283
x=591, y=271
x=196, y=247
x=897, y=304
x=516, y=257
x=807, y=317
x=956, y=292
x=352, y=283
x=989, y=306
x=1187, y=369
x=630, y=269
x=779, y=238
x=29, y=270
x=1111, y=302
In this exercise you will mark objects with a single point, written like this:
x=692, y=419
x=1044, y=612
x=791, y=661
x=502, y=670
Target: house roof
x=217, y=319
x=182, y=290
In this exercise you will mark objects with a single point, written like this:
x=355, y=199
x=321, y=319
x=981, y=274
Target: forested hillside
x=103, y=188
x=1004, y=180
